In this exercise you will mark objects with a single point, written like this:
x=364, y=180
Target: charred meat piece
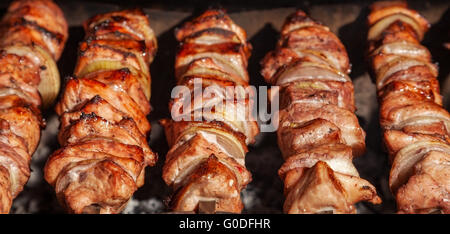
x=35, y=22
x=123, y=25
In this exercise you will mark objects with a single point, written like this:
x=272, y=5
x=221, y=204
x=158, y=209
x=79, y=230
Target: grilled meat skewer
x=33, y=37
x=318, y=132
x=103, y=109
x=414, y=123
x=206, y=160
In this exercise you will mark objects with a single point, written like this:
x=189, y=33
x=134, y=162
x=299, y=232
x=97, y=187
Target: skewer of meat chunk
x=33, y=37
x=103, y=112
x=318, y=132
x=414, y=123
x=206, y=160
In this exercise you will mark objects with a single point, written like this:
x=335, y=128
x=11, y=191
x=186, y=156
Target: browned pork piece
x=33, y=36
x=415, y=125
x=206, y=161
x=103, y=109
x=318, y=132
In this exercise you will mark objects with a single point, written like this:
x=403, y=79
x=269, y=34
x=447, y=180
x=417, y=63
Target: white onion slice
x=409, y=156
x=307, y=71
x=398, y=64
x=404, y=48
x=319, y=56
x=382, y=24
x=421, y=120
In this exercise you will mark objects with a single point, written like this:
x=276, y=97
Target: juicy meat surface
x=318, y=132
x=26, y=26
x=103, y=112
x=206, y=160
x=416, y=127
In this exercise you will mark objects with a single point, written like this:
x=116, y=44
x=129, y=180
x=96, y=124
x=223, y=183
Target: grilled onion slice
x=102, y=65
x=230, y=143
x=398, y=64
x=382, y=24
x=376, y=15
x=301, y=71
x=404, y=48
x=409, y=156
x=50, y=82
